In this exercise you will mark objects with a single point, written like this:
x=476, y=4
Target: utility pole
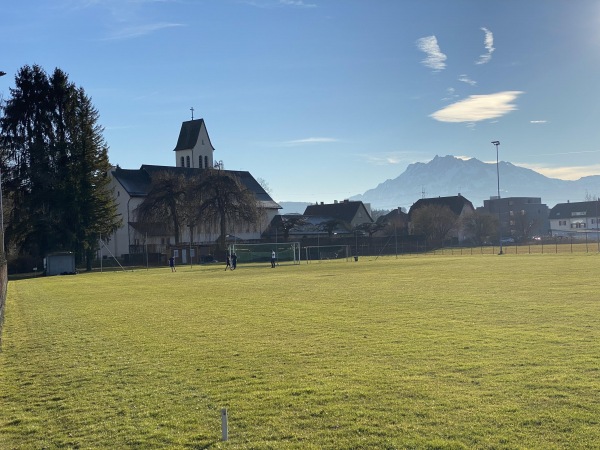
x=497, y=143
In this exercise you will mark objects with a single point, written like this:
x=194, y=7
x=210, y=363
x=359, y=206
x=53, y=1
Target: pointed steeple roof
x=188, y=136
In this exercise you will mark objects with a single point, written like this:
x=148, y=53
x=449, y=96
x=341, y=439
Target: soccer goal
x=326, y=252
x=285, y=252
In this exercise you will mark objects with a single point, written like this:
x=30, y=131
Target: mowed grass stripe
x=410, y=352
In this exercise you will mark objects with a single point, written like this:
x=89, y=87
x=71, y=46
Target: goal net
x=326, y=252
x=285, y=252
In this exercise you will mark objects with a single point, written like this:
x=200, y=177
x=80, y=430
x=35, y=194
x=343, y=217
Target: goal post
x=326, y=252
x=285, y=252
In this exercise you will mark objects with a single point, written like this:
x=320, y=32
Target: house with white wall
x=193, y=153
x=575, y=219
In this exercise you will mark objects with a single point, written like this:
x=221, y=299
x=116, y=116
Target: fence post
x=224, y=425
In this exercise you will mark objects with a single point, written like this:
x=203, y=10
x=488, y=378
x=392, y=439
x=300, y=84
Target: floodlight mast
x=497, y=143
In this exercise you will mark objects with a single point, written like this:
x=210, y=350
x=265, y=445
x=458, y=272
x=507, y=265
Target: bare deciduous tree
x=480, y=227
x=434, y=222
x=224, y=199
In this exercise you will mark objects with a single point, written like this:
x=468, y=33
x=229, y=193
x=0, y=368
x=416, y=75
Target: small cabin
x=59, y=264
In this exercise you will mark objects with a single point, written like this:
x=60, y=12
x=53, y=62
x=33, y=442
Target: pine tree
x=55, y=160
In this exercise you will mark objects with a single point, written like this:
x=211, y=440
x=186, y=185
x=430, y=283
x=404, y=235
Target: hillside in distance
x=477, y=181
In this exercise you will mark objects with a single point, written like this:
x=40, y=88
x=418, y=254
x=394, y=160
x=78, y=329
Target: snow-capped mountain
x=477, y=181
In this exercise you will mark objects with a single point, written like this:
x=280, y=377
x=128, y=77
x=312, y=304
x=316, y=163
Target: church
x=134, y=242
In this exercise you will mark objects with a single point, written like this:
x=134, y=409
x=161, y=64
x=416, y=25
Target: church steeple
x=194, y=148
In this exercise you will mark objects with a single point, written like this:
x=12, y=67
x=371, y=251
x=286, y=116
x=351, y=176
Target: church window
x=187, y=161
x=182, y=162
x=200, y=161
x=206, y=162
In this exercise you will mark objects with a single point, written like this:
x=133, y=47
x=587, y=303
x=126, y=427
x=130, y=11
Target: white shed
x=59, y=263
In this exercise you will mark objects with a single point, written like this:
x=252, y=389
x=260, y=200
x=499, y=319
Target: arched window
x=182, y=162
x=200, y=161
x=206, y=162
x=188, y=161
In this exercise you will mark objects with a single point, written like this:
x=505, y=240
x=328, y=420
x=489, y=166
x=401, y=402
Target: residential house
x=458, y=204
x=395, y=223
x=333, y=218
x=193, y=153
x=520, y=217
x=347, y=214
x=575, y=219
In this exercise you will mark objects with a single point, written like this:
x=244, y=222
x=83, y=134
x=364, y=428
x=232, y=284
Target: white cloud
x=435, y=58
x=478, y=107
x=538, y=121
x=489, y=46
x=466, y=79
x=268, y=4
x=141, y=30
x=565, y=172
x=298, y=3
x=384, y=160
x=310, y=140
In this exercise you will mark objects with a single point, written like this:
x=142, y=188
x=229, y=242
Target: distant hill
x=477, y=181
x=293, y=207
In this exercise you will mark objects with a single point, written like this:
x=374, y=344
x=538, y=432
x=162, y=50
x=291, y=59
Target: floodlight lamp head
x=496, y=142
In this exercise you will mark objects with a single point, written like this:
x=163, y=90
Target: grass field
x=423, y=352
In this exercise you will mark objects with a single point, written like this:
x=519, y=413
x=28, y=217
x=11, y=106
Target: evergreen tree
x=54, y=160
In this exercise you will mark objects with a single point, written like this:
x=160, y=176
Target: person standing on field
x=228, y=263
x=273, y=259
x=233, y=261
x=172, y=264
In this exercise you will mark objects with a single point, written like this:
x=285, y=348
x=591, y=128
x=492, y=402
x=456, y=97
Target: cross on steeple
x=192, y=110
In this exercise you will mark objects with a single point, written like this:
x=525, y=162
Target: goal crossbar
x=326, y=252
x=284, y=252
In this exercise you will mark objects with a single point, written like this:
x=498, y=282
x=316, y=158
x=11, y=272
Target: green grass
x=434, y=352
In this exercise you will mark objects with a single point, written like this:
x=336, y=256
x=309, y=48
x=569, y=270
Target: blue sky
x=325, y=99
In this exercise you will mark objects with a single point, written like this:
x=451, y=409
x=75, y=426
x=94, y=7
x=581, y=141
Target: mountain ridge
x=475, y=180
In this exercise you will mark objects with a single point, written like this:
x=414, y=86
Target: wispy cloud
x=538, y=121
x=579, y=152
x=384, y=159
x=489, y=46
x=391, y=158
x=297, y=3
x=478, y=107
x=137, y=31
x=466, y=79
x=435, y=58
x=279, y=3
x=564, y=172
x=310, y=140
x=450, y=95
